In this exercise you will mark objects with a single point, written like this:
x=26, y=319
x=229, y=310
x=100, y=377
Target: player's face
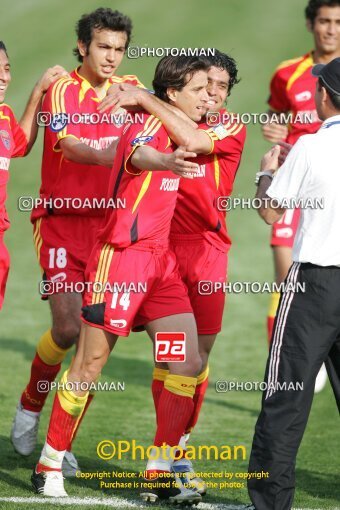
x=104, y=55
x=326, y=30
x=218, y=86
x=5, y=75
x=193, y=97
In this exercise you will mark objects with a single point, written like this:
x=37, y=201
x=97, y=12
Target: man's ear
x=172, y=94
x=309, y=25
x=82, y=48
x=324, y=95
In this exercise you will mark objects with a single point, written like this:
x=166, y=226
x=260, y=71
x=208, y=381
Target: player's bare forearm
x=28, y=121
x=148, y=158
x=268, y=210
x=182, y=130
x=76, y=151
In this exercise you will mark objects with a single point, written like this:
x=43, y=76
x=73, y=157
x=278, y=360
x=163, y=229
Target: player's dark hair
x=3, y=47
x=224, y=61
x=334, y=98
x=175, y=72
x=313, y=6
x=101, y=19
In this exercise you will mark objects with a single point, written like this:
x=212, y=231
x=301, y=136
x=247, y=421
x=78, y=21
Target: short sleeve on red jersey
x=278, y=99
x=151, y=133
x=128, y=78
x=227, y=139
x=62, y=103
x=19, y=137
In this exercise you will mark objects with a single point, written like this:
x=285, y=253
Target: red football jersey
x=292, y=90
x=13, y=144
x=149, y=197
x=197, y=209
x=71, y=104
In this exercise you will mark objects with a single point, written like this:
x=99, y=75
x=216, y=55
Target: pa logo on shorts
x=59, y=121
x=141, y=140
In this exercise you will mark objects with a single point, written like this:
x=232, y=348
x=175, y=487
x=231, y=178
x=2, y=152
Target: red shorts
x=283, y=231
x=64, y=245
x=4, y=268
x=199, y=261
x=131, y=287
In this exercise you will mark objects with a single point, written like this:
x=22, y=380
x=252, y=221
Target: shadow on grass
x=230, y=405
x=318, y=485
x=118, y=368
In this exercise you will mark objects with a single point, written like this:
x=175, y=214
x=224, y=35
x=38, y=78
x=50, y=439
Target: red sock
x=61, y=427
x=198, y=401
x=174, y=412
x=156, y=388
x=88, y=402
x=32, y=399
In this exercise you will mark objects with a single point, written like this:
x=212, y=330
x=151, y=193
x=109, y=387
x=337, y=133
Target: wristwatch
x=261, y=174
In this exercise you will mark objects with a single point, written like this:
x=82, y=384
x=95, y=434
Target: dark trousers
x=306, y=333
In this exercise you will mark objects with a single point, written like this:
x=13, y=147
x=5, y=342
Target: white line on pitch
x=119, y=503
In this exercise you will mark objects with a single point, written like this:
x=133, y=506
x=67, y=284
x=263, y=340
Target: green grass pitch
x=259, y=35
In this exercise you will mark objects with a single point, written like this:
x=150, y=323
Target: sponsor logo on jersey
x=119, y=323
x=169, y=184
x=6, y=139
x=303, y=96
x=141, y=140
x=102, y=143
x=58, y=121
x=4, y=163
x=284, y=232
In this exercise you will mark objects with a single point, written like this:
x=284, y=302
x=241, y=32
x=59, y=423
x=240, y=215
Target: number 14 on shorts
x=170, y=347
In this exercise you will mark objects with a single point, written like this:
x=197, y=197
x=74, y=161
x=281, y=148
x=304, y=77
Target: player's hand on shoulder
x=178, y=164
x=122, y=95
x=274, y=132
x=51, y=75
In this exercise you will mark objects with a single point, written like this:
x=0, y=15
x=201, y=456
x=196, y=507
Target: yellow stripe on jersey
x=105, y=273
x=58, y=100
x=290, y=62
x=37, y=239
x=102, y=271
x=102, y=257
x=301, y=68
x=142, y=191
x=235, y=130
x=63, y=132
x=4, y=117
x=55, y=96
x=217, y=170
x=150, y=128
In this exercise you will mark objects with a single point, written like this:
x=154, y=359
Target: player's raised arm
x=28, y=121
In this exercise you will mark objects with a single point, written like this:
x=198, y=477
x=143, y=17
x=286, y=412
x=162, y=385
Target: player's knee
x=65, y=334
x=194, y=365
